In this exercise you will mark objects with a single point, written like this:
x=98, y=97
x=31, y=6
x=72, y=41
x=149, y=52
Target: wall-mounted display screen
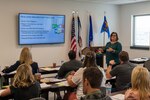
x=41, y=29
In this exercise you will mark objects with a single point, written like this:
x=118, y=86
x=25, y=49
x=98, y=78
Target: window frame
x=133, y=46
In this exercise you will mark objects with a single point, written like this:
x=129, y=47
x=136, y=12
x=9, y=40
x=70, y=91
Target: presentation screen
x=41, y=29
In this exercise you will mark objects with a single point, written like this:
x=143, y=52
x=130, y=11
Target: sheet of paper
x=56, y=80
x=63, y=83
x=47, y=80
x=49, y=69
x=14, y=72
x=44, y=85
x=117, y=97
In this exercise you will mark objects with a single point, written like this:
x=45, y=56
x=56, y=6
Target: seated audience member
x=140, y=85
x=72, y=65
x=25, y=57
x=122, y=71
x=24, y=86
x=77, y=78
x=92, y=79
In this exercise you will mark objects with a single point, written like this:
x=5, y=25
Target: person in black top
x=92, y=79
x=122, y=71
x=68, y=67
x=24, y=86
x=72, y=65
x=25, y=57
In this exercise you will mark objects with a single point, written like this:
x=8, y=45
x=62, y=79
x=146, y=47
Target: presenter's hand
x=112, y=62
x=110, y=49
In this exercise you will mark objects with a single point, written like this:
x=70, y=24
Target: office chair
x=147, y=65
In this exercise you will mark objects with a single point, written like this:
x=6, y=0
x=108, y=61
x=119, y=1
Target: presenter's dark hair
x=94, y=76
x=124, y=56
x=72, y=55
x=114, y=33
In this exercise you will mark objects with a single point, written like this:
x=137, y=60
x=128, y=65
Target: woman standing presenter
x=112, y=49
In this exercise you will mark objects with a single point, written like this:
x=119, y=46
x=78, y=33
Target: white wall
x=126, y=11
x=47, y=54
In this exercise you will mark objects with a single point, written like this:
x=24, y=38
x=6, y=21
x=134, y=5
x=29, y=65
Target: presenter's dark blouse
x=13, y=67
x=114, y=55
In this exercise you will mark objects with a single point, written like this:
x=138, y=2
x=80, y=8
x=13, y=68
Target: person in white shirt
x=77, y=78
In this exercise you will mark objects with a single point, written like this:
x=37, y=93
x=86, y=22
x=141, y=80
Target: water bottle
x=108, y=88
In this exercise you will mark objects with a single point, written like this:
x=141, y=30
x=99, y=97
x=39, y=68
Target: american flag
x=79, y=33
x=79, y=36
x=73, y=36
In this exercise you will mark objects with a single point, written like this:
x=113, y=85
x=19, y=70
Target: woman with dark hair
x=112, y=49
x=77, y=78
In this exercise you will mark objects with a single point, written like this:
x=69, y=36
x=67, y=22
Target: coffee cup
x=54, y=65
x=37, y=76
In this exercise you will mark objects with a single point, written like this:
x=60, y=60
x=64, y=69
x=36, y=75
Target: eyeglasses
x=113, y=35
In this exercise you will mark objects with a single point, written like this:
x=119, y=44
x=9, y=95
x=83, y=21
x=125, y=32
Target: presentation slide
x=41, y=29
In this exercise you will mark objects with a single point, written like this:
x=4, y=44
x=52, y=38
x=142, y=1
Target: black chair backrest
x=147, y=64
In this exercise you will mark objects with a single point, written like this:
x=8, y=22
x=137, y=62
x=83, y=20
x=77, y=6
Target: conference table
x=42, y=70
x=62, y=85
x=49, y=69
x=139, y=60
x=54, y=86
x=51, y=86
x=119, y=95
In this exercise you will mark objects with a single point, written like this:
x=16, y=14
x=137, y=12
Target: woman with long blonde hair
x=24, y=86
x=25, y=57
x=140, y=80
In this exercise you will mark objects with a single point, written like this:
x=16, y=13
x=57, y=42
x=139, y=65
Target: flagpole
x=73, y=35
x=104, y=33
x=104, y=39
x=73, y=12
x=149, y=41
x=79, y=35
